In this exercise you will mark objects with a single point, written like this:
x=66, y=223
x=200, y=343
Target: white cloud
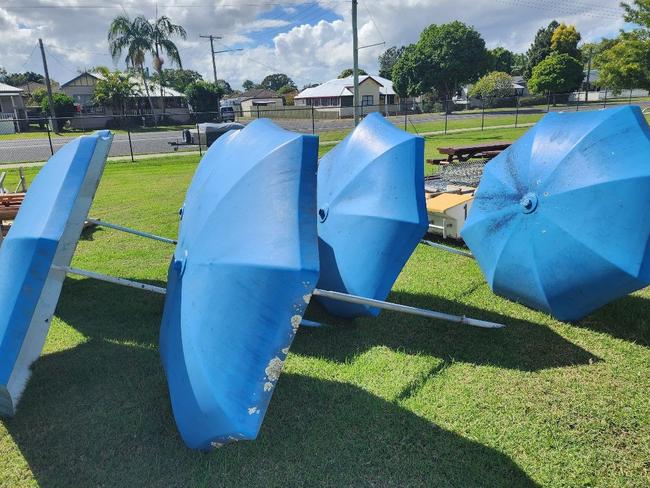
x=314, y=50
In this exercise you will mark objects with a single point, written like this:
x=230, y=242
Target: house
x=255, y=100
x=32, y=86
x=376, y=95
x=519, y=89
x=11, y=107
x=81, y=89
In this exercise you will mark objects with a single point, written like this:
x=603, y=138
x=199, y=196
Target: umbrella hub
x=528, y=202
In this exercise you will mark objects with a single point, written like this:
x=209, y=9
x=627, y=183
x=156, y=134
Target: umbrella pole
x=344, y=297
x=128, y=230
x=453, y=250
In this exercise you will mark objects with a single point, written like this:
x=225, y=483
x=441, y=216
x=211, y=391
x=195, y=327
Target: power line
x=372, y=19
x=167, y=6
x=29, y=57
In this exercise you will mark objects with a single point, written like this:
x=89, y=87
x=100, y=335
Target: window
x=367, y=100
x=327, y=102
x=391, y=99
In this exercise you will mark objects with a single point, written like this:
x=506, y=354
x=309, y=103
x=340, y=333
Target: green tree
x=203, y=96
x=502, y=60
x=162, y=32
x=625, y=65
x=540, y=48
x=38, y=96
x=349, y=72
x=493, y=85
x=388, y=59
x=178, y=79
x=135, y=37
x=637, y=13
x=276, y=81
x=558, y=73
x=248, y=85
x=64, y=108
x=226, y=89
x=17, y=79
x=565, y=40
x=114, y=90
x=520, y=60
x=444, y=58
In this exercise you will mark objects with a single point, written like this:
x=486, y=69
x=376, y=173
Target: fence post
x=313, y=123
x=128, y=132
x=258, y=111
x=446, y=114
x=198, y=137
x=482, y=113
x=406, y=116
x=516, y=110
x=49, y=137
x=605, y=101
x=629, y=101
x=577, y=103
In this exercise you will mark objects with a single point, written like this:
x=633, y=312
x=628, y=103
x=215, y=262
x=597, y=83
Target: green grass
x=391, y=401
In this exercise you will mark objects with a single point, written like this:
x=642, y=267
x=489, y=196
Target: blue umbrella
x=243, y=272
x=372, y=212
x=41, y=241
x=560, y=220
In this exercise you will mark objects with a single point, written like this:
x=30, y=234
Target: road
x=38, y=149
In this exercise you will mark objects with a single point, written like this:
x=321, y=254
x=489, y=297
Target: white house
x=376, y=95
x=11, y=107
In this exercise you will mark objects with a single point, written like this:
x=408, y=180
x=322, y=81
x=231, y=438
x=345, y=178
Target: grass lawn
x=391, y=401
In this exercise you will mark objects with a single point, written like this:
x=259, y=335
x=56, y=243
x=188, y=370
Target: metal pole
x=49, y=87
x=516, y=110
x=128, y=230
x=344, y=297
x=446, y=115
x=406, y=116
x=313, y=123
x=49, y=138
x=482, y=113
x=198, y=137
x=578, y=102
x=111, y=279
x=355, y=61
x=128, y=131
x=629, y=101
x=450, y=249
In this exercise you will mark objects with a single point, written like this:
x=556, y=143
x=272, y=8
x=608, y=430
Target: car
x=227, y=114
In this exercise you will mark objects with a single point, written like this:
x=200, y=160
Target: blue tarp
x=560, y=220
x=372, y=212
x=241, y=277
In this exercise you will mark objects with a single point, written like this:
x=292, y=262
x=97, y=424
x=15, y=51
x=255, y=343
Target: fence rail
x=31, y=139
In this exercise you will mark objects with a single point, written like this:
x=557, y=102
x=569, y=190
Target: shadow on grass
x=520, y=345
x=99, y=415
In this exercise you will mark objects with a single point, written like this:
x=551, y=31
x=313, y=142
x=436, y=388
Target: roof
x=442, y=203
x=9, y=90
x=154, y=88
x=256, y=93
x=342, y=87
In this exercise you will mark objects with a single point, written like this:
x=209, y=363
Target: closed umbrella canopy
x=243, y=272
x=561, y=220
x=44, y=234
x=372, y=212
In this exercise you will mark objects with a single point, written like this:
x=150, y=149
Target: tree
x=625, y=65
x=558, y=73
x=38, y=95
x=502, y=60
x=540, y=48
x=114, y=90
x=162, y=32
x=136, y=38
x=17, y=79
x=64, y=108
x=388, y=59
x=225, y=87
x=637, y=13
x=444, y=58
x=349, y=72
x=248, y=85
x=276, y=81
x=519, y=62
x=493, y=85
x=565, y=40
x=203, y=96
x=178, y=79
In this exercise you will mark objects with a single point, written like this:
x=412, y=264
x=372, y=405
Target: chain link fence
x=32, y=139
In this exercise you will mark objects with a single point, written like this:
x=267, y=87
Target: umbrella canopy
x=45, y=233
x=372, y=212
x=560, y=220
x=243, y=272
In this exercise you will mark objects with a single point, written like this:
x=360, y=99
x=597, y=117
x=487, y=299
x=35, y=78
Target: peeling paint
x=295, y=322
x=274, y=369
x=285, y=351
x=307, y=298
x=253, y=410
x=268, y=386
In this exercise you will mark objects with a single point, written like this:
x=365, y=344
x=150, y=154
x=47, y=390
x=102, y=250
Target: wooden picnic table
x=464, y=153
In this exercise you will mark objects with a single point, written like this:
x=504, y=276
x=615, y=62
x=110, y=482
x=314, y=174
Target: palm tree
x=163, y=30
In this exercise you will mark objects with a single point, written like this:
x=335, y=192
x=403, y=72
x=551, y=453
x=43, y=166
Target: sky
x=309, y=41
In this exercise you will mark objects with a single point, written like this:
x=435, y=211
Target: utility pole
x=214, y=64
x=49, y=88
x=355, y=60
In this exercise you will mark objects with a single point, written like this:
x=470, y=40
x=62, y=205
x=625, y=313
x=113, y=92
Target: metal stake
x=460, y=252
x=111, y=279
x=102, y=223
